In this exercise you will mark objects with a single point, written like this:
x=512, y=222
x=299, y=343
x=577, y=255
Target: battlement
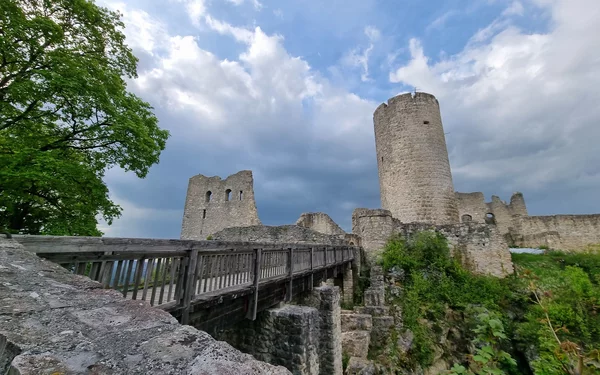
x=367, y=212
x=406, y=99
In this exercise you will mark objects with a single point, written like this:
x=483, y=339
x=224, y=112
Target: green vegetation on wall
x=542, y=320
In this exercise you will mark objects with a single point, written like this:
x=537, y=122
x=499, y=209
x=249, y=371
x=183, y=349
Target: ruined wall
x=54, y=322
x=414, y=171
x=496, y=212
x=319, y=222
x=503, y=216
x=287, y=336
x=278, y=234
x=213, y=204
x=562, y=232
x=305, y=338
x=481, y=248
x=471, y=207
x=374, y=227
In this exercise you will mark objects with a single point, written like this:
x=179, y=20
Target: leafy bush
x=547, y=314
x=434, y=282
x=489, y=357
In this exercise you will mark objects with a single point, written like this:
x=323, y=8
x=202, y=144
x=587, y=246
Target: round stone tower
x=414, y=172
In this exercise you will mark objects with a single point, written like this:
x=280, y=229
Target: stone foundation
x=305, y=338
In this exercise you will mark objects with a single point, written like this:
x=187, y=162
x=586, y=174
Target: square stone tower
x=213, y=204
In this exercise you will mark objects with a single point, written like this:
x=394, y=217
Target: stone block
x=356, y=322
x=374, y=310
x=360, y=366
x=356, y=343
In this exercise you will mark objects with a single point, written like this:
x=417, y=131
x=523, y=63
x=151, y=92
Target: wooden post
x=254, y=303
x=312, y=271
x=188, y=285
x=139, y=265
x=290, y=274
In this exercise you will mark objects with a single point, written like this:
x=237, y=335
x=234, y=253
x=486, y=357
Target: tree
x=66, y=116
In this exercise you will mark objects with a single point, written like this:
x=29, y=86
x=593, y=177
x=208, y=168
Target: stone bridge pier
x=304, y=337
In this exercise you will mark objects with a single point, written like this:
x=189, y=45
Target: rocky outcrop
x=52, y=321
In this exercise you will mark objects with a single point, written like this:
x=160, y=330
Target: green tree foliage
x=563, y=320
x=66, y=116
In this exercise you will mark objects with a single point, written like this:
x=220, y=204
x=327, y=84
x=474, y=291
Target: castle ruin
x=417, y=193
x=213, y=204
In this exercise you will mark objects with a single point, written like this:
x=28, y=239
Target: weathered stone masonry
x=414, y=171
x=563, y=232
x=305, y=338
x=213, y=204
x=481, y=247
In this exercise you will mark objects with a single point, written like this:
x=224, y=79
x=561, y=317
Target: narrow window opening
x=204, y=214
x=382, y=159
x=228, y=194
x=241, y=194
x=425, y=122
x=466, y=218
x=208, y=196
x=490, y=218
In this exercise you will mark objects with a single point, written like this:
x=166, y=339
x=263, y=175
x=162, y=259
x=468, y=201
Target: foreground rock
x=53, y=322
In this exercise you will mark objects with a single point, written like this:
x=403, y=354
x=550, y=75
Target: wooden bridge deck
x=180, y=276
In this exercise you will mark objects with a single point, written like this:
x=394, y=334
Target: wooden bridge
x=208, y=284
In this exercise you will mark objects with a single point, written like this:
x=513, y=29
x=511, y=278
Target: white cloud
x=240, y=34
x=257, y=4
x=359, y=57
x=143, y=32
x=265, y=105
x=196, y=9
x=520, y=107
x=515, y=8
x=372, y=33
x=439, y=22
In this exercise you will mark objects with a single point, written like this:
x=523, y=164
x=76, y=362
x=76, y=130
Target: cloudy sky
x=287, y=89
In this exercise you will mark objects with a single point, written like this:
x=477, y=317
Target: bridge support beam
x=305, y=338
x=326, y=300
x=348, y=285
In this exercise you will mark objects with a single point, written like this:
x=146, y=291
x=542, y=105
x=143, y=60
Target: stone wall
x=305, y=338
x=280, y=234
x=481, y=247
x=213, y=204
x=54, y=322
x=319, y=222
x=374, y=227
x=497, y=211
x=414, y=171
x=563, y=232
x=471, y=207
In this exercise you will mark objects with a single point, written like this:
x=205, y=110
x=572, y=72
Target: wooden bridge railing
x=171, y=274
